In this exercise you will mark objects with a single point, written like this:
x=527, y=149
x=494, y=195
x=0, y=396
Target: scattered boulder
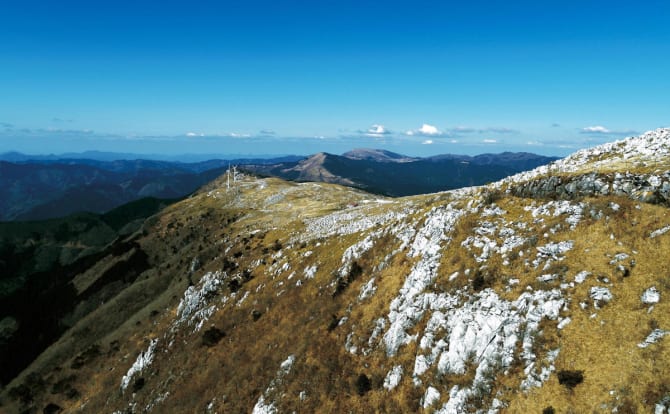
x=650, y=296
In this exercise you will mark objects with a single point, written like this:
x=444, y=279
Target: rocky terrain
x=543, y=292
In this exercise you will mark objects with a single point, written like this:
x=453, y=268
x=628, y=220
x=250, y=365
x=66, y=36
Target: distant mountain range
x=392, y=174
x=50, y=187
x=14, y=156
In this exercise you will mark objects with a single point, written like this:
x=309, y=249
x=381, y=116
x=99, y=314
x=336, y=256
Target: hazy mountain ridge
x=55, y=187
x=269, y=296
x=50, y=187
x=378, y=155
x=38, y=191
x=391, y=174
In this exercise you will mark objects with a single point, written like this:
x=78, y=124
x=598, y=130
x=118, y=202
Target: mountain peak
x=378, y=155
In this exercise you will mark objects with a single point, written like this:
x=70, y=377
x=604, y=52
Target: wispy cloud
x=462, y=130
x=6, y=125
x=498, y=130
x=601, y=130
x=597, y=129
x=490, y=141
x=266, y=132
x=427, y=142
x=237, y=135
x=426, y=130
x=194, y=134
x=61, y=120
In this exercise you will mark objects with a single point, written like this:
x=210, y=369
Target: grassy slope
x=266, y=217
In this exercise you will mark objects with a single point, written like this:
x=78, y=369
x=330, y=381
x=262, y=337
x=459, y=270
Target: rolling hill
x=545, y=291
x=390, y=174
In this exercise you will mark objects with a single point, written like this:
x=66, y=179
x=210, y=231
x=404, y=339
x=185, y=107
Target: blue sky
x=261, y=77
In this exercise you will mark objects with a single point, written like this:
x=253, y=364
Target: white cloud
x=194, y=134
x=429, y=130
x=597, y=129
x=427, y=142
x=490, y=141
x=377, y=131
x=425, y=130
x=453, y=141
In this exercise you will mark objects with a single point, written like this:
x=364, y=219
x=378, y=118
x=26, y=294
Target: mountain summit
x=378, y=155
x=546, y=291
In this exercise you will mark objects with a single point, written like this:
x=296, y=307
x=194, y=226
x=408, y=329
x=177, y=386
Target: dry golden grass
x=235, y=372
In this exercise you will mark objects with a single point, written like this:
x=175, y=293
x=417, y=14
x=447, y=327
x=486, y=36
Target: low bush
x=363, y=384
x=570, y=378
x=212, y=336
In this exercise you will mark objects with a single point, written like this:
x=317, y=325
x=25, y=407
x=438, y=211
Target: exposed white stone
x=663, y=406
x=600, y=295
x=651, y=296
x=652, y=145
x=619, y=257
x=264, y=407
x=367, y=290
x=552, y=252
x=563, y=323
x=548, y=277
x=193, y=307
x=310, y=272
x=393, y=377
x=653, y=337
x=581, y=276
x=408, y=307
x=430, y=397
x=144, y=359
x=659, y=232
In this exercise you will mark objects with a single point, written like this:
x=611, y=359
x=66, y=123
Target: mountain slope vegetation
x=543, y=292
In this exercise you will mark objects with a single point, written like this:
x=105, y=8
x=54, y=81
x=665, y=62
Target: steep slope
x=270, y=296
x=37, y=262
